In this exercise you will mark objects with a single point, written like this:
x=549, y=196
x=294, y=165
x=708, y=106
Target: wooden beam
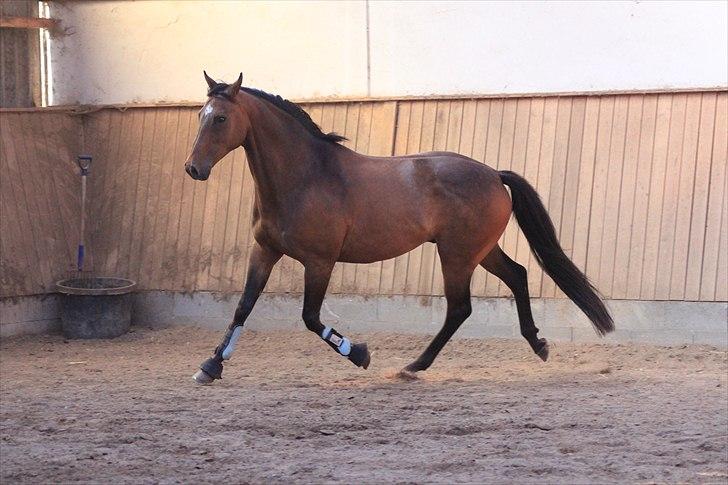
x=27, y=23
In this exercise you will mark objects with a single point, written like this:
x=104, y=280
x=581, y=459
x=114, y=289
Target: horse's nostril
x=192, y=171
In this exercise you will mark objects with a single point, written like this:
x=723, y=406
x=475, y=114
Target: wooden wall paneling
x=178, y=230
x=57, y=186
x=612, y=196
x=167, y=168
x=685, y=200
x=670, y=197
x=699, y=197
x=657, y=187
x=22, y=164
x=145, y=199
x=714, y=274
x=641, y=199
x=625, y=203
x=587, y=157
x=21, y=267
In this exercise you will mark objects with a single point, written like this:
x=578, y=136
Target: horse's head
x=223, y=127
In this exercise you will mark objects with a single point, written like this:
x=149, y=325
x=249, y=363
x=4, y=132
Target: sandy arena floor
x=290, y=410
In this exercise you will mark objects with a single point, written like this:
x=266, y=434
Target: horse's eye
x=219, y=119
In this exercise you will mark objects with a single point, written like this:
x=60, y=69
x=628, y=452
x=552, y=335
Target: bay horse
x=320, y=202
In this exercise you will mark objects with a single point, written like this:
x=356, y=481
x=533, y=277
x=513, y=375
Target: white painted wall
x=132, y=52
x=148, y=51
x=525, y=47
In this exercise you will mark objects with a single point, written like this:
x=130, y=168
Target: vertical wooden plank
x=638, y=232
x=625, y=217
x=30, y=212
x=49, y=170
x=141, y=194
x=109, y=212
x=699, y=197
x=612, y=196
x=670, y=197
x=154, y=256
x=657, y=188
x=132, y=167
x=721, y=279
x=685, y=197
x=713, y=271
x=177, y=235
x=23, y=281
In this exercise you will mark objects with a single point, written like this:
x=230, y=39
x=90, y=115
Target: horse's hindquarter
x=396, y=204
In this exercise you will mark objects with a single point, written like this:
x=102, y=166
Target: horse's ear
x=233, y=89
x=210, y=82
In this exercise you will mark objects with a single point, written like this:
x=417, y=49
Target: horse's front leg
x=262, y=260
x=317, y=275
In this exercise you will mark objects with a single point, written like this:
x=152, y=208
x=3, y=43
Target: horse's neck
x=282, y=155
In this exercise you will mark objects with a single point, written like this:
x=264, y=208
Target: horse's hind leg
x=457, y=275
x=514, y=276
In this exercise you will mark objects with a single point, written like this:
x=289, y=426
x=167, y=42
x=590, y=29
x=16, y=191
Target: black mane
x=289, y=107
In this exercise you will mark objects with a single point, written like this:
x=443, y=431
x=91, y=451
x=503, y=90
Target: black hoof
x=202, y=378
x=210, y=370
x=360, y=355
x=414, y=367
x=543, y=351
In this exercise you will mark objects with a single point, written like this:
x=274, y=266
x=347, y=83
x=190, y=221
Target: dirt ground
x=290, y=410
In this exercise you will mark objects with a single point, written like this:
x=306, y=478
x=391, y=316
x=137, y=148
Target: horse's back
x=422, y=197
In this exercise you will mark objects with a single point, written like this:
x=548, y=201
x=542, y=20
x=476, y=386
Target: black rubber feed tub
x=97, y=307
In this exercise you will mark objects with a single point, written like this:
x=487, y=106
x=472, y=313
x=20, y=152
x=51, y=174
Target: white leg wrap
x=230, y=347
x=343, y=344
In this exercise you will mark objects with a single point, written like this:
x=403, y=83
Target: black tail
x=539, y=231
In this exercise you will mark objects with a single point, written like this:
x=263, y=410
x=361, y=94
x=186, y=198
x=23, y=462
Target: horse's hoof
x=544, y=351
x=360, y=355
x=406, y=375
x=202, y=377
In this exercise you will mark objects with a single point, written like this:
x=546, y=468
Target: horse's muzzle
x=196, y=174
